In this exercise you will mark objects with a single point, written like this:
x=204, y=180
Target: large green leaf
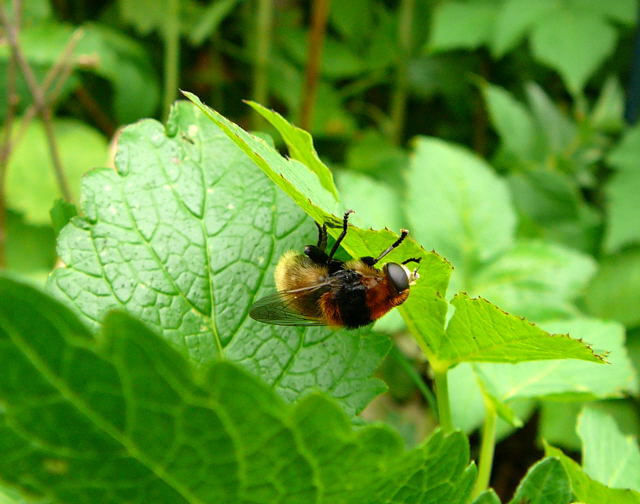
x=126, y=418
x=546, y=482
x=457, y=205
x=573, y=42
x=185, y=235
x=31, y=181
x=608, y=456
x=588, y=490
x=480, y=331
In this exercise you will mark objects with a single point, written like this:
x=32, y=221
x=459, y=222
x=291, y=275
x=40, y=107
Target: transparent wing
x=278, y=308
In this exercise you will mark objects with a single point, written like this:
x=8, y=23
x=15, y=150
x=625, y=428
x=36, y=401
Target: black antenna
x=403, y=235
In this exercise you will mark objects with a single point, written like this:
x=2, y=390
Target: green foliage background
x=500, y=132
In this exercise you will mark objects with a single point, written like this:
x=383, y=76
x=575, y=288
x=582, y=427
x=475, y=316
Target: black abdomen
x=350, y=296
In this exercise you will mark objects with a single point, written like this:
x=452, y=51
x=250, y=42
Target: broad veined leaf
x=608, y=455
x=546, y=482
x=569, y=379
x=124, y=417
x=426, y=309
x=588, y=490
x=185, y=235
x=480, y=331
x=456, y=204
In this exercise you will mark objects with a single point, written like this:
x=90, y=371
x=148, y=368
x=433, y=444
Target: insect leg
x=345, y=224
x=322, y=236
x=403, y=235
x=316, y=254
x=412, y=259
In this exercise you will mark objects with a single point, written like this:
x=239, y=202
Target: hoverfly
x=315, y=289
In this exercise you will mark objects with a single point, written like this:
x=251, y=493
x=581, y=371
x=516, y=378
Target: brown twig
x=5, y=147
x=316, y=39
x=39, y=100
x=60, y=70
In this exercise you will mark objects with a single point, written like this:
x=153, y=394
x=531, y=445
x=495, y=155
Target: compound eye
x=397, y=275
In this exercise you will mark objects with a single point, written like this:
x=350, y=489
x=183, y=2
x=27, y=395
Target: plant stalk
x=400, y=90
x=171, y=34
x=487, y=448
x=314, y=58
x=442, y=394
x=264, y=21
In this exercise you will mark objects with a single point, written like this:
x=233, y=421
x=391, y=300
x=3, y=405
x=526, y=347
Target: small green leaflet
x=300, y=146
x=546, y=482
x=480, y=331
